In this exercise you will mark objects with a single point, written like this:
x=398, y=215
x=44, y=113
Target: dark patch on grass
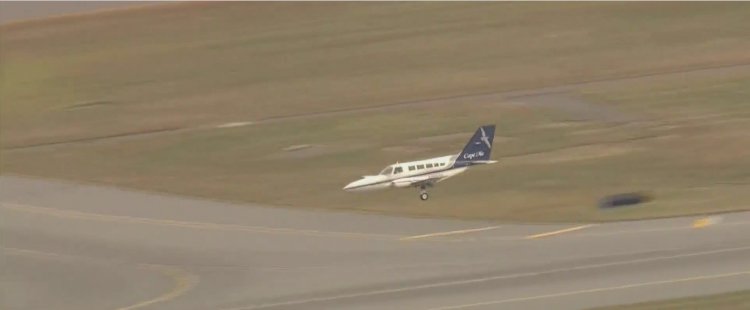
x=90, y=104
x=94, y=139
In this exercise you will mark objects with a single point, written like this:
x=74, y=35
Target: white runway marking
x=486, y=279
x=234, y=124
x=449, y=233
x=596, y=290
x=79, y=215
x=557, y=232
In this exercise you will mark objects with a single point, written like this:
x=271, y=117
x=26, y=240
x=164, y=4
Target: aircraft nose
x=353, y=186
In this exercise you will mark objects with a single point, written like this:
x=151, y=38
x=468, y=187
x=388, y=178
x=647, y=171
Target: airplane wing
x=417, y=181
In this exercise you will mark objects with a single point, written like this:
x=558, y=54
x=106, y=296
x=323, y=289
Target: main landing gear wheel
x=424, y=196
x=423, y=192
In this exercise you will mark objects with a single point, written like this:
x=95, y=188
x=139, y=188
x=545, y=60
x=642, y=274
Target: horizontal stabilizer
x=484, y=162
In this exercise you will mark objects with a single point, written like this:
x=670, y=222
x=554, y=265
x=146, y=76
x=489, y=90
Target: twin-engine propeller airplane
x=425, y=173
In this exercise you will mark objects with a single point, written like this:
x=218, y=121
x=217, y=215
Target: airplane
x=425, y=173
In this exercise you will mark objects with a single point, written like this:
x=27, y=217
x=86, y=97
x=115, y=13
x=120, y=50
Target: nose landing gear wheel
x=423, y=196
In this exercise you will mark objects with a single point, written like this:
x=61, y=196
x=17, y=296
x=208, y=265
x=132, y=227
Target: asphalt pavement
x=72, y=246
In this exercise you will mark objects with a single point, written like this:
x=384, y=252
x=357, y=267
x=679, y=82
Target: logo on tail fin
x=471, y=156
x=478, y=148
x=485, y=138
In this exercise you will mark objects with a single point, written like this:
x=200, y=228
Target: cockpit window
x=387, y=171
x=398, y=170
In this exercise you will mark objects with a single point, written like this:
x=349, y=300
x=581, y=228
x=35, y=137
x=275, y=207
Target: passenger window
x=398, y=170
x=420, y=166
x=429, y=165
x=411, y=168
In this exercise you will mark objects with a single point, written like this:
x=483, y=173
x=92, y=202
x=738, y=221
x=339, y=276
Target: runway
x=73, y=246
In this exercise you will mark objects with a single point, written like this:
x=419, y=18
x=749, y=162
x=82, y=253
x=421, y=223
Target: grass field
x=729, y=301
x=684, y=140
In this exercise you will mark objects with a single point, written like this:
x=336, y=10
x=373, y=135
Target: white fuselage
x=408, y=174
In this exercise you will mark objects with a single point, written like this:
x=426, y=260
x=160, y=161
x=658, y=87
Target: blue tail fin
x=478, y=148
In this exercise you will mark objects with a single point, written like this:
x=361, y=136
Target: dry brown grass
x=197, y=65
x=205, y=63
x=727, y=301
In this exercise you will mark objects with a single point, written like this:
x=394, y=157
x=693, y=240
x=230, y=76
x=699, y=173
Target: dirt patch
x=557, y=125
x=456, y=137
x=593, y=131
x=572, y=154
x=444, y=138
x=297, y=147
x=668, y=137
x=405, y=149
x=419, y=145
x=576, y=109
x=304, y=151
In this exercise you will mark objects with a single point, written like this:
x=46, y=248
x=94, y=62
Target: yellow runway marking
x=557, y=232
x=704, y=222
x=183, y=282
x=449, y=233
x=17, y=251
x=638, y=231
x=597, y=290
x=700, y=223
x=69, y=214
